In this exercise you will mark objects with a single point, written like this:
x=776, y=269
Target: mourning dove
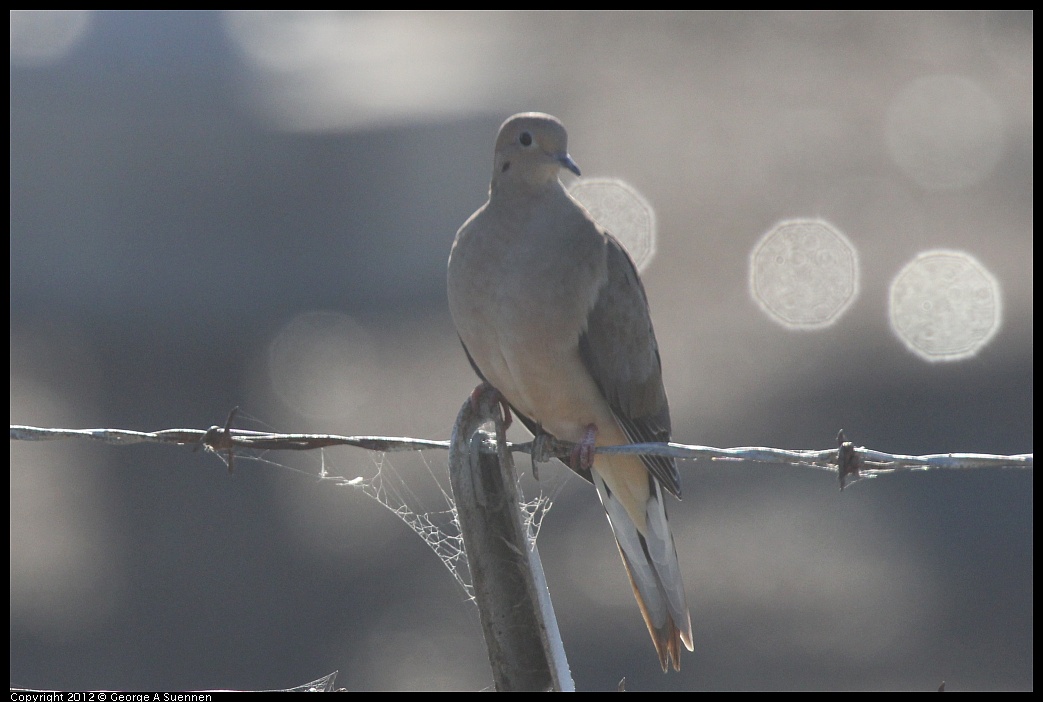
x=552, y=315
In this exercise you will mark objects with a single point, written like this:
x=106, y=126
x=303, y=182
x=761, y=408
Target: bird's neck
x=519, y=190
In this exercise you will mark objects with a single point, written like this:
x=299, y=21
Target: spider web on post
x=439, y=528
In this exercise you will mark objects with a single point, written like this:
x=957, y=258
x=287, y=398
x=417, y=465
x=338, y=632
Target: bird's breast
x=520, y=313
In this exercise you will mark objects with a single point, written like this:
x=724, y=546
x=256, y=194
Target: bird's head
x=531, y=149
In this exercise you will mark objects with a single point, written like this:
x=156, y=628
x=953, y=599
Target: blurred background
x=214, y=209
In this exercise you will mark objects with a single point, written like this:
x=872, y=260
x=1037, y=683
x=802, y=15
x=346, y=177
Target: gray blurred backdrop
x=255, y=209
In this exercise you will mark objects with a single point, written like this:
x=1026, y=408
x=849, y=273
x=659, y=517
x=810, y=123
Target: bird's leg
x=486, y=391
x=583, y=454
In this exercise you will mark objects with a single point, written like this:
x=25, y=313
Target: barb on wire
x=848, y=461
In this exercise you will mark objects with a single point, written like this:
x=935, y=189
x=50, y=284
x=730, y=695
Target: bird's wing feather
x=619, y=350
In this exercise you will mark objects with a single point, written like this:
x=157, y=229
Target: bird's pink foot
x=583, y=454
x=485, y=391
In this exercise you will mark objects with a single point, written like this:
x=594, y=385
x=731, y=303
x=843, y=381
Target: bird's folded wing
x=619, y=350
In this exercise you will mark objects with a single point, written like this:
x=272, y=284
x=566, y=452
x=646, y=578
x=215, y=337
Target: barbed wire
x=850, y=462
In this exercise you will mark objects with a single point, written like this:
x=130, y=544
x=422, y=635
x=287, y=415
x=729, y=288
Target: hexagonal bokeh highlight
x=621, y=210
x=804, y=273
x=944, y=305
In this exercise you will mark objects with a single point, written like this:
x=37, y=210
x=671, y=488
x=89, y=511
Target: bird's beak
x=566, y=161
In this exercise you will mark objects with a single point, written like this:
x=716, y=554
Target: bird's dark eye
x=525, y=139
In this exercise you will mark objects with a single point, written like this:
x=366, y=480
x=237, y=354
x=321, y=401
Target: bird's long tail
x=651, y=562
